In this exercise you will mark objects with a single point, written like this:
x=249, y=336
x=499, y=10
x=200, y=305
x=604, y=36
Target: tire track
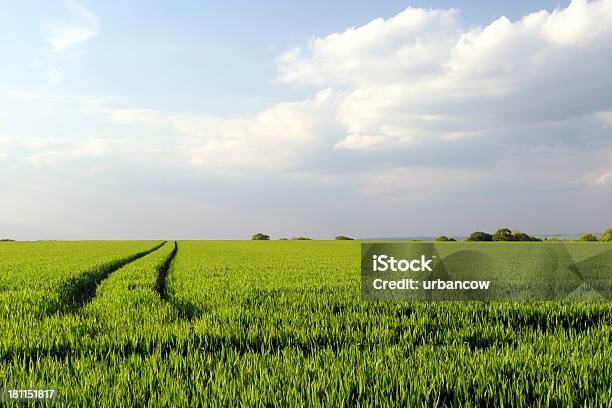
x=186, y=310
x=163, y=273
x=81, y=289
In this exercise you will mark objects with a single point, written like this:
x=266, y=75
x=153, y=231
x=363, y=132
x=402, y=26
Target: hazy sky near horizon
x=203, y=120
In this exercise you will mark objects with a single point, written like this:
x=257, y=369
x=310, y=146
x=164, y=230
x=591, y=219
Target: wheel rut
x=163, y=273
x=81, y=289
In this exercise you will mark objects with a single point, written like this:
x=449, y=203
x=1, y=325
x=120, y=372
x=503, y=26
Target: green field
x=228, y=323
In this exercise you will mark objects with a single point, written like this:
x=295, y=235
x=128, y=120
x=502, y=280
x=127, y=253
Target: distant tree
x=607, y=236
x=503, y=234
x=7, y=240
x=521, y=236
x=552, y=238
x=343, y=238
x=283, y=239
x=587, y=238
x=260, y=237
x=479, y=236
x=445, y=238
x=301, y=239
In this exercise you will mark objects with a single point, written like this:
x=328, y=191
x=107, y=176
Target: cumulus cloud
x=387, y=51
x=417, y=89
x=468, y=80
x=411, y=45
x=82, y=26
x=275, y=139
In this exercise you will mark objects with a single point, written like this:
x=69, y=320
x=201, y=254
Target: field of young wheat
x=278, y=323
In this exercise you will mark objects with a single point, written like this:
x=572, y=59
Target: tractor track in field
x=81, y=289
x=185, y=309
x=163, y=273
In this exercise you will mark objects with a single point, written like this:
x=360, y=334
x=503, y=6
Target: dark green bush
x=479, y=236
x=343, y=238
x=521, y=236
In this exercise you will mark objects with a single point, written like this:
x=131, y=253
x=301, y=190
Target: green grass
x=283, y=324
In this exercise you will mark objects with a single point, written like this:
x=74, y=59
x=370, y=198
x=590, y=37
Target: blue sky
x=194, y=119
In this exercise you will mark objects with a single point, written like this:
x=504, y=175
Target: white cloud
x=605, y=178
x=386, y=136
x=430, y=45
x=452, y=136
x=599, y=179
x=408, y=45
x=51, y=158
x=411, y=181
x=417, y=89
x=605, y=118
x=421, y=64
x=277, y=138
x=360, y=142
x=82, y=26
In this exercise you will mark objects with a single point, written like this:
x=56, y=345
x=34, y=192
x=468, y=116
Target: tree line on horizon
x=505, y=234
x=260, y=236
x=501, y=235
